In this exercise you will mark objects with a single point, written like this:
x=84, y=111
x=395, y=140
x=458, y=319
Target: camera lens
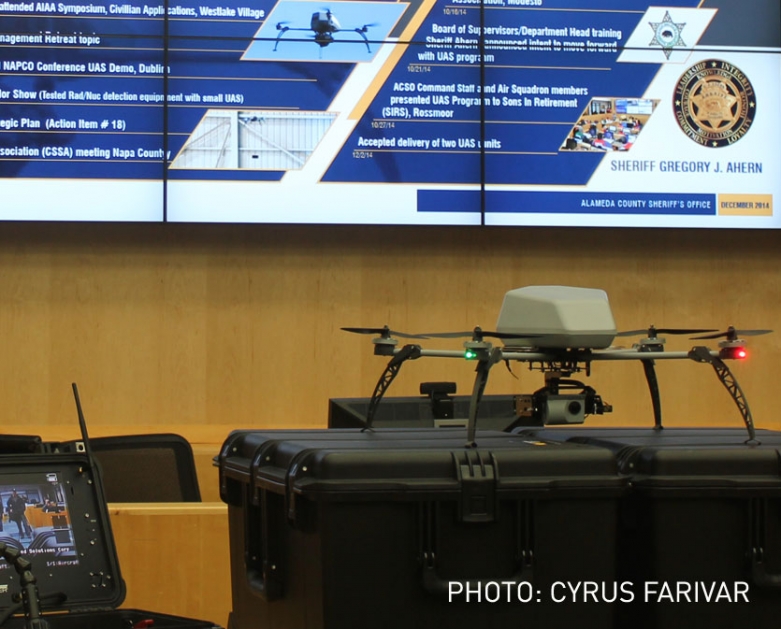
x=574, y=408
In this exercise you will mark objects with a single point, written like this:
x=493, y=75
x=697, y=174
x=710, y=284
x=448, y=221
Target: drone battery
x=347, y=529
x=63, y=531
x=701, y=529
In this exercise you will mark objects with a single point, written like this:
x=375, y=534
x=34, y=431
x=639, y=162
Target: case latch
x=477, y=476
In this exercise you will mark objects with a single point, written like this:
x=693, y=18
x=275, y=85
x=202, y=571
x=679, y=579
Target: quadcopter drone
x=560, y=331
x=324, y=25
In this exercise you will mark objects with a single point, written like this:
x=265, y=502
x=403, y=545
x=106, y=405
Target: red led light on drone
x=733, y=353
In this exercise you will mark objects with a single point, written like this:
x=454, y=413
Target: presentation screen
x=430, y=112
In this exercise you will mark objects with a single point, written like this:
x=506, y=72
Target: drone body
x=556, y=317
x=324, y=26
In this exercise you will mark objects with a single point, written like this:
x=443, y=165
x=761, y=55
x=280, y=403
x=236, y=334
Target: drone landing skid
x=282, y=30
x=649, y=368
x=362, y=32
x=726, y=377
x=408, y=352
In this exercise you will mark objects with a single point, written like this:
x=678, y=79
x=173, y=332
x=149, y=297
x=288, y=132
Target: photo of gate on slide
x=457, y=112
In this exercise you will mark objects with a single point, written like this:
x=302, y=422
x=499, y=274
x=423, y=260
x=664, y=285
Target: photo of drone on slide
x=560, y=331
x=301, y=30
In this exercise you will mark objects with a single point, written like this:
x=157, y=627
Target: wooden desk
x=174, y=557
x=37, y=517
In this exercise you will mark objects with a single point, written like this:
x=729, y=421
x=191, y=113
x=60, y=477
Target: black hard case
x=342, y=529
x=705, y=508
x=74, y=560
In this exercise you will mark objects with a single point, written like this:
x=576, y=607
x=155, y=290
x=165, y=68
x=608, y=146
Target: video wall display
x=458, y=112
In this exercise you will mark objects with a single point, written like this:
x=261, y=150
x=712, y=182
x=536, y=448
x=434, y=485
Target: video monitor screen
x=37, y=520
x=446, y=112
x=51, y=515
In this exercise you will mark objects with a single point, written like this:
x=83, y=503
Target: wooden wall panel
x=238, y=326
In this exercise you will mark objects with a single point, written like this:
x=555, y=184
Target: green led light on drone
x=470, y=354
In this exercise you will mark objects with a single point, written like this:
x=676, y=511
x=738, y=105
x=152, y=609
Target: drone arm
x=726, y=377
x=585, y=356
x=442, y=353
x=408, y=352
x=641, y=355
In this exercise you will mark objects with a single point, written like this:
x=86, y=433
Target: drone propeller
x=652, y=331
x=452, y=335
x=731, y=334
x=384, y=332
x=477, y=334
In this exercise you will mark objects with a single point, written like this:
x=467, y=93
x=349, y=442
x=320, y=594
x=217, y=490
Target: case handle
x=435, y=585
x=758, y=522
x=263, y=583
x=523, y=532
x=263, y=571
x=761, y=576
